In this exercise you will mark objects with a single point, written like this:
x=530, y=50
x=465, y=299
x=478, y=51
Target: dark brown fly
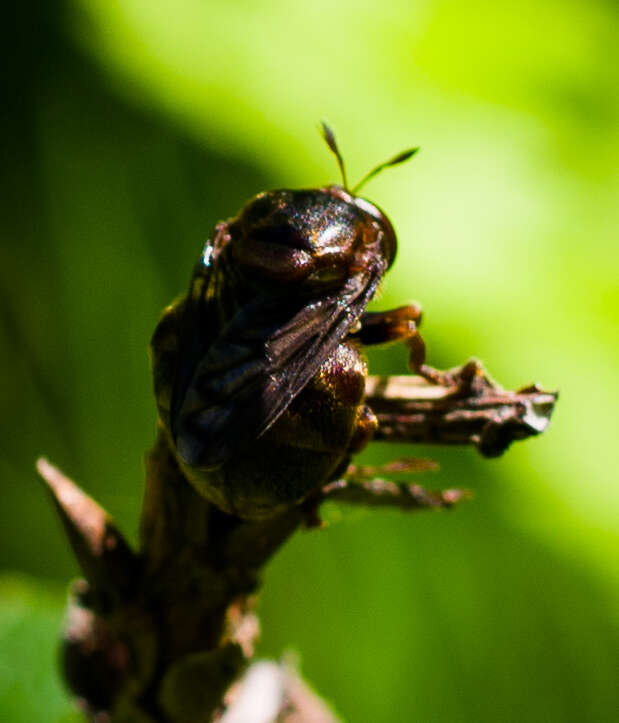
x=259, y=373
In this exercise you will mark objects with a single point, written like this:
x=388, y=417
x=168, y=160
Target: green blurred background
x=132, y=127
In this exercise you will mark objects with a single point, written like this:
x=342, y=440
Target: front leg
x=380, y=327
x=402, y=324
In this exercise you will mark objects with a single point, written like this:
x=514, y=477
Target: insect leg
x=379, y=327
x=400, y=324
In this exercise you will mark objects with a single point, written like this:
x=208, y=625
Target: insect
x=259, y=370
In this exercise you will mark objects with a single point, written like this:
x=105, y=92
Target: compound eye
x=389, y=242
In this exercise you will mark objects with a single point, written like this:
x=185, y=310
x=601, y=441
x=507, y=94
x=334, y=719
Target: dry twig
x=164, y=633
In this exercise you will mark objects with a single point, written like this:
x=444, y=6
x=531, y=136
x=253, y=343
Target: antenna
x=329, y=137
x=400, y=158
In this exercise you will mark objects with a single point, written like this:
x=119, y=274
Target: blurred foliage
x=29, y=615
x=133, y=127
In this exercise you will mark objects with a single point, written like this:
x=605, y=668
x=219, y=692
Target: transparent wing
x=264, y=356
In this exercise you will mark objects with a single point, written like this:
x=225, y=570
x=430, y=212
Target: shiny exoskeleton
x=259, y=372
